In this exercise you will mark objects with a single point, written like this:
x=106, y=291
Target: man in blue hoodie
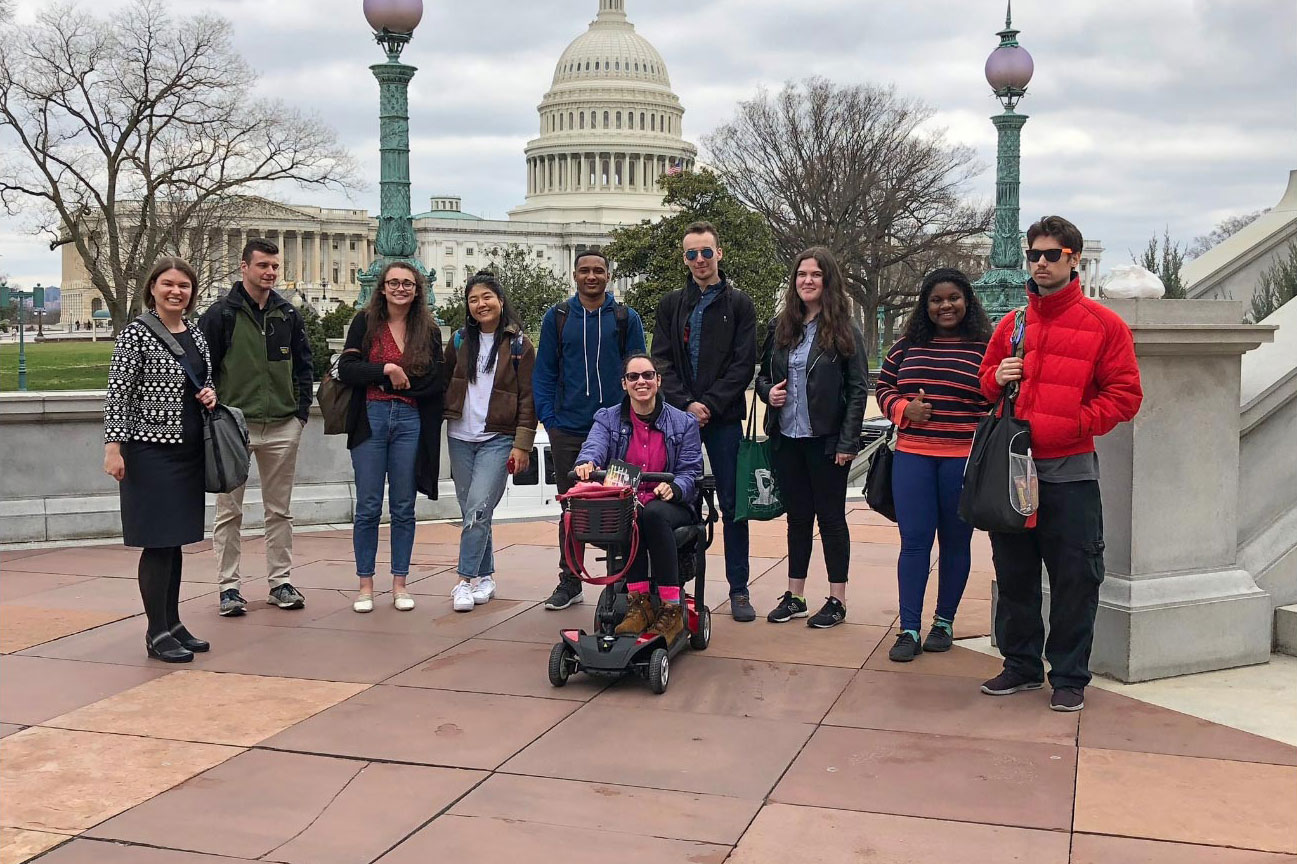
x=583, y=342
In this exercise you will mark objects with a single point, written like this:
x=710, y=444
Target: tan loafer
x=402, y=601
x=364, y=603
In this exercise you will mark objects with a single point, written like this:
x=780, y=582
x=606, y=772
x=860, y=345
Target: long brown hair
x=835, y=307
x=417, y=356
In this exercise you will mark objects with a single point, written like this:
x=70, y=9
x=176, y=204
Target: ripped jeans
x=479, y=469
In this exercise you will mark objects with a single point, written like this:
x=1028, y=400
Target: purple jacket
x=609, y=439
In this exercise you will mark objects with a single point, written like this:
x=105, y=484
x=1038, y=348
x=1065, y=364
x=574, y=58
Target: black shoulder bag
x=1001, y=491
x=226, y=451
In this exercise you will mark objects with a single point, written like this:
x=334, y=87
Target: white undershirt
x=471, y=425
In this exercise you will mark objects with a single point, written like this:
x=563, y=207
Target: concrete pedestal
x=1175, y=599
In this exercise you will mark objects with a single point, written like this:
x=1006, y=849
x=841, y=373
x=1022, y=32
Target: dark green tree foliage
x=1165, y=259
x=1277, y=286
x=335, y=323
x=320, y=353
x=532, y=287
x=650, y=251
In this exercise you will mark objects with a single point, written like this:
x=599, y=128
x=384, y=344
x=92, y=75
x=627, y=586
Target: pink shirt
x=648, y=450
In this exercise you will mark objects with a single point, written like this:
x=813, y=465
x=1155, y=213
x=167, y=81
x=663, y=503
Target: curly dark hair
x=976, y=326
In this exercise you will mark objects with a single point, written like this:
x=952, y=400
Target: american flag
x=674, y=167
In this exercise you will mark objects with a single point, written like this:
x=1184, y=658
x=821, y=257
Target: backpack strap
x=560, y=322
x=458, y=339
x=623, y=327
x=515, y=351
x=1018, y=341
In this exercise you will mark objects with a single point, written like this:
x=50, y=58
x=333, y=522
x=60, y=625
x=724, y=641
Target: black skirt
x=163, y=495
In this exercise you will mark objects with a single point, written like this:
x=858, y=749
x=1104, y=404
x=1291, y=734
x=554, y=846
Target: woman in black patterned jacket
x=153, y=434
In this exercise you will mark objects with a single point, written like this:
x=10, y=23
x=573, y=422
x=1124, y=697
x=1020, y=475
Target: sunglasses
x=401, y=283
x=632, y=377
x=708, y=254
x=1050, y=255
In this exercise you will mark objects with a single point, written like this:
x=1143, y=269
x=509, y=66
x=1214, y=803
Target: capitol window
x=641, y=121
x=605, y=119
x=582, y=119
x=468, y=252
x=450, y=250
x=596, y=65
x=617, y=66
x=618, y=119
x=653, y=123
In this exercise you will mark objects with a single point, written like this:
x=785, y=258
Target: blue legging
x=926, y=490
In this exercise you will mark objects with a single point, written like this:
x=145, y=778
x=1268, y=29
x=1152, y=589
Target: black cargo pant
x=563, y=450
x=1068, y=539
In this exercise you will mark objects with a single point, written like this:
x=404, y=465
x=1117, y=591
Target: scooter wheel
x=560, y=664
x=700, y=640
x=659, y=670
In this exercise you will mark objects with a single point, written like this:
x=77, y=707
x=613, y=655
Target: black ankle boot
x=189, y=640
x=166, y=648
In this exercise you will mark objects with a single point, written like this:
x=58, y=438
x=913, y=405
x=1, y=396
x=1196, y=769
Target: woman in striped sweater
x=928, y=387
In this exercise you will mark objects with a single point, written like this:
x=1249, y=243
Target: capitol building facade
x=609, y=127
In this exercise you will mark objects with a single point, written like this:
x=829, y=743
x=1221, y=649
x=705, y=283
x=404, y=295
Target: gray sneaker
x=741, y=607
x=287, y=597
x=232, y=603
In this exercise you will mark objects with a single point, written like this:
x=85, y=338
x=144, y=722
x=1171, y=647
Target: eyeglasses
x=405, y=283
x=632, y=377
x=1050, y=255
x=708, y=253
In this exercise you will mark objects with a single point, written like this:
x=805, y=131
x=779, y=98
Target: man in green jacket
x=261, y=360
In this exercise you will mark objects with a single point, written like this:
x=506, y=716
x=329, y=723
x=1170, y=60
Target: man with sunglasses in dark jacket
x=705, y=344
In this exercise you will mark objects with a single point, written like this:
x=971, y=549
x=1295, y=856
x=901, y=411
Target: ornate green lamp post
x=1008, y=70
x=393, y=22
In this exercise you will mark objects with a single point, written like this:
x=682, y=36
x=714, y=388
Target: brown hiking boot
x=671, y=621
x=639, y=615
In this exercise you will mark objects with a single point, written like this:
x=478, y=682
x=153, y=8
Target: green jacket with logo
x=262, y=368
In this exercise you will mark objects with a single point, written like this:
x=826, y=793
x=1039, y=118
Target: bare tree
x=854, y=168
x=1224, y=229
x=134, y=136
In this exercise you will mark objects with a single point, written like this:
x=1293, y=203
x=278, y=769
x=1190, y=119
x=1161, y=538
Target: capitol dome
x=610, y=126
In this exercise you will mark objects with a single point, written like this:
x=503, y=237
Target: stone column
x=301, y=260
x=1176, y=599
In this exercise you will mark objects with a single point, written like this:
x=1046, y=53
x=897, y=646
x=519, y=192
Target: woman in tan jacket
x=491, y=423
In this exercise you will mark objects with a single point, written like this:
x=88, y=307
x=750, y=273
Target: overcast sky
x=1143, y=113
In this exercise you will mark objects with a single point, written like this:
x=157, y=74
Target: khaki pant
x=274, y=444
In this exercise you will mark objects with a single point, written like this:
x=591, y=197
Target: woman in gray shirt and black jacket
x=814, y=376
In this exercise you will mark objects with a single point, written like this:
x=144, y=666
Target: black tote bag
x=878, y=482
x=1000, y=490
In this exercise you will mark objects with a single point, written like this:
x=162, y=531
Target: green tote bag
x=757, y=495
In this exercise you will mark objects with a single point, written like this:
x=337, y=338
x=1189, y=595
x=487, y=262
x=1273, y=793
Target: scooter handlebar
x=646, y=477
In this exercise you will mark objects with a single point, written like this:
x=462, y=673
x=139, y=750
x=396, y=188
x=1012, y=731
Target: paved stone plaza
x=325, y=736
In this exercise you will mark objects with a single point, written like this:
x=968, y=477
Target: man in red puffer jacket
x=1078, y=379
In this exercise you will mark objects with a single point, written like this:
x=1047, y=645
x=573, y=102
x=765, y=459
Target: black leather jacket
x=837, y=389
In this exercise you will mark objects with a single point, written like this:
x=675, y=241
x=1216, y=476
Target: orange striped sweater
x=946, y=370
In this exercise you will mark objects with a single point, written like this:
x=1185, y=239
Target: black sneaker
x=831, y=615
x=741, y=607
x=789, y=607
x=565, y=595
x=1067, y=699
x=1009, y=682
x=939, y=639
x=232, y=603
x=905, y=649
x=287, y=597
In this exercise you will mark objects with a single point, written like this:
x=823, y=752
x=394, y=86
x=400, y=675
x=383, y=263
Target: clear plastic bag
x=1024, y=486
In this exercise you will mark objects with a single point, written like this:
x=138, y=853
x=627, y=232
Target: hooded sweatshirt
x=591, y=364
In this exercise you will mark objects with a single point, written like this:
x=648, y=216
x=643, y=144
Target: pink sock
x=637, y=587
x=669, y=595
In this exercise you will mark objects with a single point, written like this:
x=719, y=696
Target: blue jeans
x=479, y=469
x=388, y=453
x=926, y=490
x=722, y=443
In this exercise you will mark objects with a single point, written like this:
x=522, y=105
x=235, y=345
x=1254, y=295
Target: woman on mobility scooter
x=647, y=432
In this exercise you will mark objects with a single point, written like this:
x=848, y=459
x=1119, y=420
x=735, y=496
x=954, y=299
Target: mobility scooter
x=606, y=517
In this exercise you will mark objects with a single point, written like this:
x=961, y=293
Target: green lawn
x=58, y=365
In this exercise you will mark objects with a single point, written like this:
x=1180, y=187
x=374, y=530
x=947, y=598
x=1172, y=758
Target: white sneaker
x=462, y=597
x=402, y=601
x=484, y=590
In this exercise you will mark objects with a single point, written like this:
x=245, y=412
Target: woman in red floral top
x=394, y=353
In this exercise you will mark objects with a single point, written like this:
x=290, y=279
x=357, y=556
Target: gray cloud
x=1142, y=114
